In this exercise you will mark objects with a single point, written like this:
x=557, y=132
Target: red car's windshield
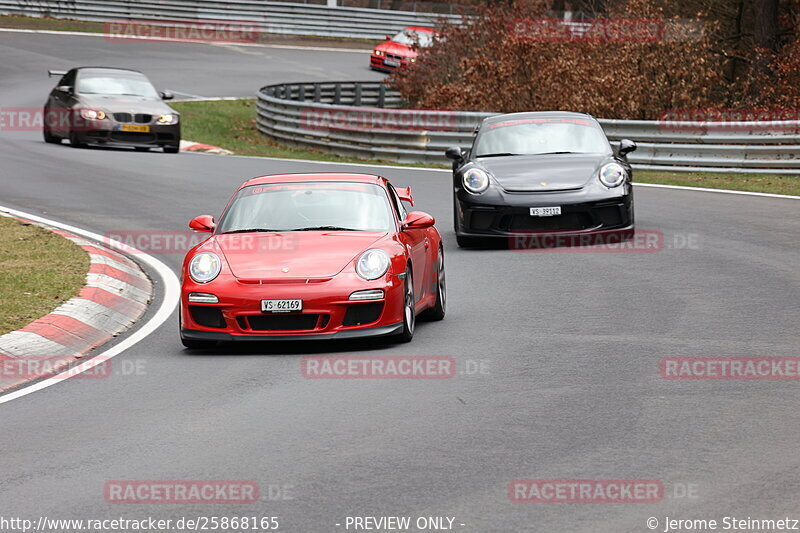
x=309, y=206
x=422, y=39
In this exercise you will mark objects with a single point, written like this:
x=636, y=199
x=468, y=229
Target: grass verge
x=39, y=270
x=769, y=183
x=231, y=124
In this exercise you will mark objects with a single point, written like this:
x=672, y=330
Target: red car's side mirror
x=388, y=37
x=418, y=220
x=203, y=223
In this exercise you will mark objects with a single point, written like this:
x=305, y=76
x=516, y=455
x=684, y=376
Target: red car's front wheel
x=409, y=310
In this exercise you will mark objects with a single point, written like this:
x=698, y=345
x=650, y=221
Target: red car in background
x=399, y=52
x=312, y=256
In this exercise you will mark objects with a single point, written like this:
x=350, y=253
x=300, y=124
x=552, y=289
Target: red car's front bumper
x=327, y=310
x=396, y=62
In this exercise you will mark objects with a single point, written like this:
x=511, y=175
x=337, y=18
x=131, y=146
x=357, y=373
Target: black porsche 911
x=540, y=172
x=111, y=107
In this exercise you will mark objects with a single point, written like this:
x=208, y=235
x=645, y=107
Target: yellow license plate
x=135, y=127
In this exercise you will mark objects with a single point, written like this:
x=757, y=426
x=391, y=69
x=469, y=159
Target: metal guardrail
x=268, y=17
x=363, y=119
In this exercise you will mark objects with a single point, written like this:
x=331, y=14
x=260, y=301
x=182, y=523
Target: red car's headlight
x=204, y=267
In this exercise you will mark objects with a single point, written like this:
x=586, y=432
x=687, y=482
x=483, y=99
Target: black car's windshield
x=309, y=206
x=116, y=86
x=540, y=136
x=411, y=37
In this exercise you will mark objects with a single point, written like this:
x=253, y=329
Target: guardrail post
x=317, y=92
x=382, y=95
x=337, y=94
x=357, y=96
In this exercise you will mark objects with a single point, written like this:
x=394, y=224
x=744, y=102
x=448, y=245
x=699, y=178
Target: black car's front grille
x=132, y=137
x=567, y=221
x=610, y=215
x=138, y=118
x=282, y=322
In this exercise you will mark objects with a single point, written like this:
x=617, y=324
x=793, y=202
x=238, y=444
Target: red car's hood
x=294, y=254
x=392, y=47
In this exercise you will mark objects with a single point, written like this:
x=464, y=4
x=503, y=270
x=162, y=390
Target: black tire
x=73, y=140
x=198, y=345
x=439, y=309
x=172, y=149
x=141, y=148
x=409, y=318
x=50, y=138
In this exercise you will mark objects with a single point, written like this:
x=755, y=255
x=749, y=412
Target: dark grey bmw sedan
x=111, y=107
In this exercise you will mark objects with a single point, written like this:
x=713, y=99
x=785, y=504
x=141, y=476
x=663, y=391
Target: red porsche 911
x=312, y=256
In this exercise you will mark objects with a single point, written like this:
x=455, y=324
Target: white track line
x=170, y=301
x=118, y=38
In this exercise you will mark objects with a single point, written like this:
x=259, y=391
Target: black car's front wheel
x=75, y=141
x=49, y=137
x=172, y=149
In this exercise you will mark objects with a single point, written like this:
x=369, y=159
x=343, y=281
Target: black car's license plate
x=545, y=211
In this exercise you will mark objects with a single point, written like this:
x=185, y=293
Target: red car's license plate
x=281, y=306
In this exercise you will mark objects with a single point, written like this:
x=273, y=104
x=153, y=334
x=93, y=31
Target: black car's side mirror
x=166, y=95
x=455, y=153
x=64, y=89
x=626, y=146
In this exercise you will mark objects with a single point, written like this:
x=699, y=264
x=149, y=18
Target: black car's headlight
x=205, y=267
x=475, y=180
x=612, y=174
x=169, y=118
x=93, y=114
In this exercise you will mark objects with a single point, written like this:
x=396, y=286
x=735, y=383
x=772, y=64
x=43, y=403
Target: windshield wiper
x=496, y=155
x=323, y=228
x=251, y=230
x=554, y=153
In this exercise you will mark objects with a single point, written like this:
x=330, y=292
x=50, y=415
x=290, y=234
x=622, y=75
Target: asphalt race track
x=570, y=345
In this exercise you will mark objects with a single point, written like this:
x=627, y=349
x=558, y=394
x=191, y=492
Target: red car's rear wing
x=405, y=195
